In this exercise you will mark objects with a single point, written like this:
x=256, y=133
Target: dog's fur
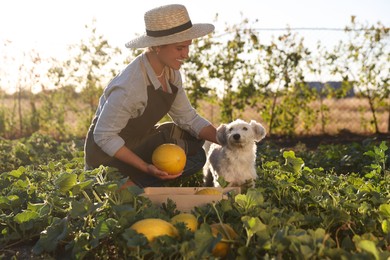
x=235, y=158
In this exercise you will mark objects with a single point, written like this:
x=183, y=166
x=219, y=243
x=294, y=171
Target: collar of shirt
x=152, y=76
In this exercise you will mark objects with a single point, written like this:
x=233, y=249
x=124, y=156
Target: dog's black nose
x=236, y=136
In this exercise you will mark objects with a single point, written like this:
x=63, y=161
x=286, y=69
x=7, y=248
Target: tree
x=196, y=73
x=283, y=94
x=364, y=63
x=227, y=67
x=91, y=65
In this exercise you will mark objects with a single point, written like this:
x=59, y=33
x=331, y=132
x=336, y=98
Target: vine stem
x=248, y=239
x=86, y=195
x=96, y=196
x=221, y=222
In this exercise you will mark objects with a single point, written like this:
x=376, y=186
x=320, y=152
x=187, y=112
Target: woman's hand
x=153, y=170
x=126, y=155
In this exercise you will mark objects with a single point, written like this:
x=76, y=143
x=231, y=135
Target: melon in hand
x=170, y=158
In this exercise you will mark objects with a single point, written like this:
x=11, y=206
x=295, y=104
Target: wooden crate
x=185, y=197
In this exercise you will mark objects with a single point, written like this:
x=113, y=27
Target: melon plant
x=297, y=209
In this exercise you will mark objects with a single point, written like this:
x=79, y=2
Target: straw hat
x=169, y=24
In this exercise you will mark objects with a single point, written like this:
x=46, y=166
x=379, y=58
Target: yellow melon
x=154, y=227
x=188, y=219
x=222, y=247
x=208, y=191
x=170, y=158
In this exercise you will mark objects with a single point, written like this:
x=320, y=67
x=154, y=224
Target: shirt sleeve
x=120, y=102
x=184, y=114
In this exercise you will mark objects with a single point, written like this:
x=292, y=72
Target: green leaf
x=222, y=182
x=66, y=181
x=205, y=241
x=126, y=214
x=101, y=231
x=370, y=153
x=369, y=247
x=80, y=209
x=13, y=198
x=4, y=202
x=383, y=146
x=50, y=238
x=81, y=245
x=134, y=239
x=292, y=163
x=384, y=210
x=271, y=165
x=226, y=205
x=253, y=225
x=103, y=228
x=10, y=235
x=128, y=195
x=307, y=251
x=41, y=208
x=386, y=226
x=82, y=186
x=17, y=173
x=105, y=187
x=319, y=235
x=26, y=216
x=251, y=199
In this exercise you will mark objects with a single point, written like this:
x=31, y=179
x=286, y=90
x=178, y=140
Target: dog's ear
x=258, y=129
x=221, y=134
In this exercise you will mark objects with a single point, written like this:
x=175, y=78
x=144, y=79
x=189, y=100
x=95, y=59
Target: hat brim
x=196, y=31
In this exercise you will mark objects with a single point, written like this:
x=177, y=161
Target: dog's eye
x=245, y=128
x=230, y=129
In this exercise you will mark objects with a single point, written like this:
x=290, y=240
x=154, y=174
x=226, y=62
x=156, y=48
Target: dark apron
x=142, y=135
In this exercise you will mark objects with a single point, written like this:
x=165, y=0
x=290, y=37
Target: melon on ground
x=188, y=219
x=222, y=247
x=152, y=228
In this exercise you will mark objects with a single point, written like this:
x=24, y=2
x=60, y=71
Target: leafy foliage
x=296, y=210
x=36, y=150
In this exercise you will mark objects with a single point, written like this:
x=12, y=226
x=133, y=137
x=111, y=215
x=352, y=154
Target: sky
x=49, y=26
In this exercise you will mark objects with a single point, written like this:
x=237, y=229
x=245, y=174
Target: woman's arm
x=209, y=133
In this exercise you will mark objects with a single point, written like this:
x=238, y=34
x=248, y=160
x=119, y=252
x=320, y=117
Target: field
x=348, y=115
x=331, y=202
x=345, y=115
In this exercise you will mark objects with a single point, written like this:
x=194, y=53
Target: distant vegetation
x=235, y=72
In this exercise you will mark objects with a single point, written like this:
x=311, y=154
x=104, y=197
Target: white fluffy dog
x=235, y=158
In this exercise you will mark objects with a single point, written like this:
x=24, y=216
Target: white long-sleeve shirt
x=125, y=98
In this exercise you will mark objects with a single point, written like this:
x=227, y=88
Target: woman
x=125, y=130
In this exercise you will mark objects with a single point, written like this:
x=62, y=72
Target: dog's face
x=240, y=133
